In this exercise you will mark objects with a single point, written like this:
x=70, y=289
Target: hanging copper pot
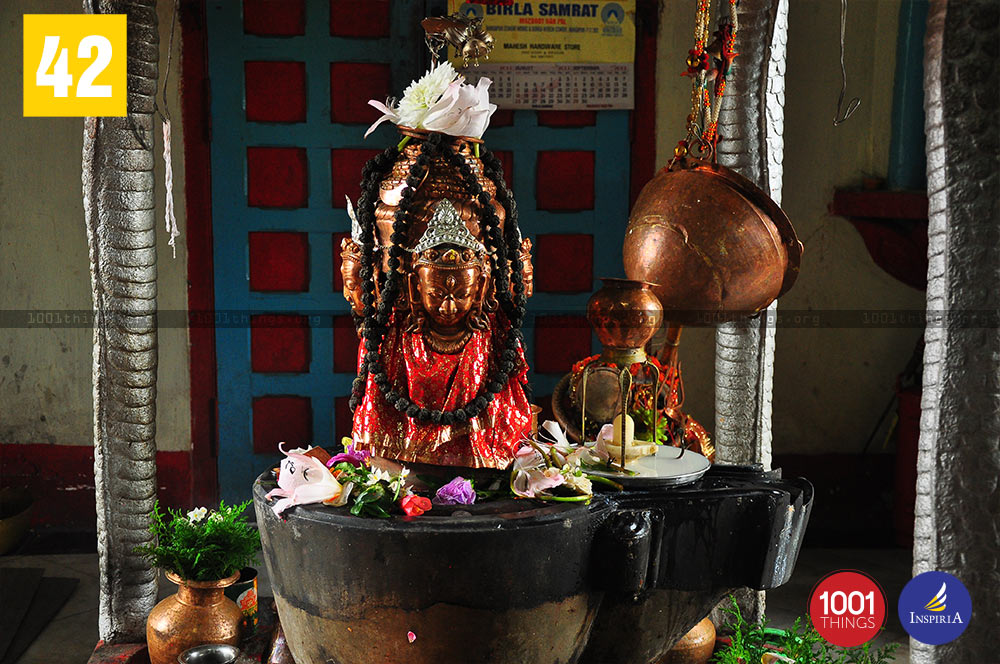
x=712, y=241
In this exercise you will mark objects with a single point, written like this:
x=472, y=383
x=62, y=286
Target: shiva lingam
x=625, y=314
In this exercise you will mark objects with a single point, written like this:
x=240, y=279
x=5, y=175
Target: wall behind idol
x=830, y=384
x=46, y=419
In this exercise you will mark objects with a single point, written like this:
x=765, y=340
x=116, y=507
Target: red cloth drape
x=439, y=381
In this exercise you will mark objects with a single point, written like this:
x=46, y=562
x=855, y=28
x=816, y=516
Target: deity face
x=350, y=273
x=447, y=289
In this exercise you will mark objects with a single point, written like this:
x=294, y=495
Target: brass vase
x=625, y=314
x=695, y=647
x=198, y=613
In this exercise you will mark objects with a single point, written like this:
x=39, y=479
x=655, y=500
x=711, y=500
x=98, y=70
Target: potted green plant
x=801, y=644
x=202, y=552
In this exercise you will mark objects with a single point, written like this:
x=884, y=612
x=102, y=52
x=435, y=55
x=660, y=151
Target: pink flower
x=352, y=456
x=387, y=114
x=411, y=637
x=527, y=457
x=528, y=483
x=303, y=480
x=463, y=110
x=459, y=491
x=413, y=505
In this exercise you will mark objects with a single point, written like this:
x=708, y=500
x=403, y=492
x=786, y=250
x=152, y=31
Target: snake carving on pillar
x=958, y=499
x=751, y=125
x=119, y=214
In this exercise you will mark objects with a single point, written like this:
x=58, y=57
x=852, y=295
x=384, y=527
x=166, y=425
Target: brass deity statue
x=442, y=375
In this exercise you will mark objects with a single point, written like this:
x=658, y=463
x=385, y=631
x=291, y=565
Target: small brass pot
x=695, y=647
x=625, y=314
x=198, y=613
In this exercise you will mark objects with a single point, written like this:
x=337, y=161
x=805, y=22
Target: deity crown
x=446, y=227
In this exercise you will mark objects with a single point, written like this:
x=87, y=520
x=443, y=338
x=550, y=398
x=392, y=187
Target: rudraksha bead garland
x=378, y=314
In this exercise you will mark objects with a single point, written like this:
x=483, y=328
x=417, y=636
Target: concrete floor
x=72, y=635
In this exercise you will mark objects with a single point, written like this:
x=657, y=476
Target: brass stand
x=623, y=359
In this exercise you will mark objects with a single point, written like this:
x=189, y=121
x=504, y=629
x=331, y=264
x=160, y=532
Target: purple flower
x=459, y=491
x=350, y=455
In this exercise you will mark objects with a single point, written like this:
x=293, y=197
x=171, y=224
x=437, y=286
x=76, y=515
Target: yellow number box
x=74, y=65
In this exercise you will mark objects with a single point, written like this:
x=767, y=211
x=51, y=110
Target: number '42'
x=61, y=80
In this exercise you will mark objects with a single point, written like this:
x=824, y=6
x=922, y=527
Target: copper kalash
x=437, y=274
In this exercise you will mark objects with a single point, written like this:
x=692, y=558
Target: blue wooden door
x=289, y=86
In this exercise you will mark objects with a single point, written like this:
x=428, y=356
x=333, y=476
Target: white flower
x=417, y=99
x=341, y=500
x=215, y=516
x=378, y=475
x=579, y=483
x=423, y=93
x=463, y=110
x=197, y=514
x=303, y=480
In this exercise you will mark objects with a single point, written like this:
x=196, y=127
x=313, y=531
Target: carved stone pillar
x=958, y=494
x=750, y=125
x=119, y=213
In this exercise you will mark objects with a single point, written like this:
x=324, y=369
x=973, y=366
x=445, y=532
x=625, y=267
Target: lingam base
x=617, y=581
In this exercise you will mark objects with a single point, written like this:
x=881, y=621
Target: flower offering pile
x=549, y=468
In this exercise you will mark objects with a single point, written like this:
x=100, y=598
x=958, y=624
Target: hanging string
x=839, y=119
x=170, y=220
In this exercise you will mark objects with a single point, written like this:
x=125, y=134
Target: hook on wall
x=842, y=115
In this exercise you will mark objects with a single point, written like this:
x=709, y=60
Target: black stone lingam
x=618, y=581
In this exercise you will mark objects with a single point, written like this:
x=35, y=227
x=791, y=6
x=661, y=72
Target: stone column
x=119, y=214
x=957, y=526
x=750, y=124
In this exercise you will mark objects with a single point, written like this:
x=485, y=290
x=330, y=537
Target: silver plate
x=661, y=469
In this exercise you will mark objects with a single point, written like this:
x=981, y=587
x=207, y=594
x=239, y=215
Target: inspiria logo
x=935, y=608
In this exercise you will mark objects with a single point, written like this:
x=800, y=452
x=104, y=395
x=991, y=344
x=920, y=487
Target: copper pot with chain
x=714, y=243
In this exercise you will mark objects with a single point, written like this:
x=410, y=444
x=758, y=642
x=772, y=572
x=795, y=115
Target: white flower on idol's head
x=197, y=514
x=422, y=94
x=463, y=110
x=417, y=99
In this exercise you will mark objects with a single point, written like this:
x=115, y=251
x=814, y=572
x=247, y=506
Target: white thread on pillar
x=171, y=221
